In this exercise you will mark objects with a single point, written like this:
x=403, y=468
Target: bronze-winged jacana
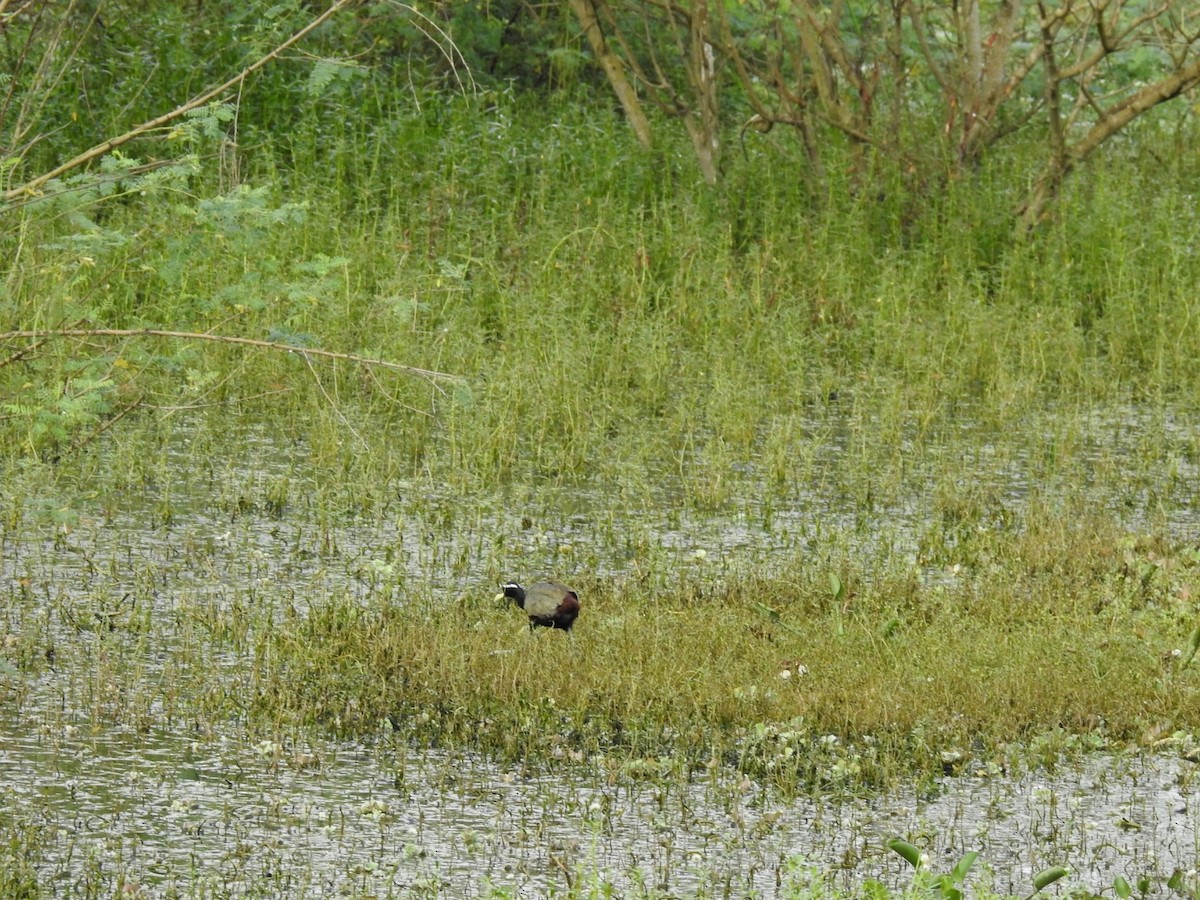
x=547, y=603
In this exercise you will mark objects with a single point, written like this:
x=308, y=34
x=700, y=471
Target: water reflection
x=233, y=814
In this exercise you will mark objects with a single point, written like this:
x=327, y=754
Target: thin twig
x=232, y=401
x=113, y=143
x=421, y=17
x=109, y=178
x=394, y=399
x=225, y=339
x=23, y=353
x=80, y=443
x=333, y=404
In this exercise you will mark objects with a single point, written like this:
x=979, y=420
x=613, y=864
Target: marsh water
x=225, y=815
x=123, y=788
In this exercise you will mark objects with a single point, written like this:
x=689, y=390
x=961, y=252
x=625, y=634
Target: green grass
x=599, y=306
x=901, y=672
x=626, y=339
x=1054, y=633
x=959, y=461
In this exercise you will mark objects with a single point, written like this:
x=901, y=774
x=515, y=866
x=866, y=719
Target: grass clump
x=772, y=671
x=582, y=290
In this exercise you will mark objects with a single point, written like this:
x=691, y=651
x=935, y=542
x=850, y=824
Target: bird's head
x=514, y=592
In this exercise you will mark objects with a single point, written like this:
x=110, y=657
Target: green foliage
x=621, y=330
x=20, y=844
x=950, y=885
x=700, y=312
x=208, y=121
x=46, y=416
x=509, y=41
x=587, y=290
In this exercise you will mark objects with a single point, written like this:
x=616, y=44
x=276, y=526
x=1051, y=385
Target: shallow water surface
x=224, y=813
x=124, y=788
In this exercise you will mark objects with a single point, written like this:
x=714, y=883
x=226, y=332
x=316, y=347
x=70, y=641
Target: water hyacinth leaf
x=1047, y=877
x=1121, y=888
x=1143, y=885
x=964, y=866
x=910, y=853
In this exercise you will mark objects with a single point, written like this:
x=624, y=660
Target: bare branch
x=42, y=335
x=1114, y=119
x=918, y=20
x=1129, y=109
x=1110, y=43
x=1058, y=147
x=112, y=143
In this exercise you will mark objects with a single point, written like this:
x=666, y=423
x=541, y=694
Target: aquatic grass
x=252, y=680
x=28, y=860
x=948, y=471
x=1004, y=622
x=902, y=676
x=799, y=879
x=609, y=322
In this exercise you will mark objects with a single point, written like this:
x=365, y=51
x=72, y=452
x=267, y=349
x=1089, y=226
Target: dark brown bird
x=547, y=603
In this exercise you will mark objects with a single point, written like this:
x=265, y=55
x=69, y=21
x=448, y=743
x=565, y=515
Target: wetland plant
x=949, y=885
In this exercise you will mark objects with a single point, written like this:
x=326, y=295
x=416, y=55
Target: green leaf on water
x=964, y=866
x=911, y=854
x=1121, y=888
x=1047, y=877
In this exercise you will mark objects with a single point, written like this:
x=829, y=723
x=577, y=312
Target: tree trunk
x=703, y=124
x=614, y=70
x=1046, y=187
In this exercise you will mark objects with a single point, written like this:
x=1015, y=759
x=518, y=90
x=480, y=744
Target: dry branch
x=1112, y=121
x=112, y=143
x=41, y=335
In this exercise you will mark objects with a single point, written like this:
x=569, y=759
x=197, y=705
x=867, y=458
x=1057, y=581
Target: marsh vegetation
x=881, y=510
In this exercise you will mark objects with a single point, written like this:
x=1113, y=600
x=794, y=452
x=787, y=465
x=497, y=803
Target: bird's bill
x=500, y=596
